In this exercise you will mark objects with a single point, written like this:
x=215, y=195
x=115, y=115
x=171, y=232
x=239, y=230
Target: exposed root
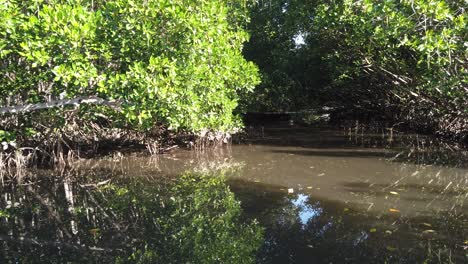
x=14, y=164
x=154, y=147
x=60, y=145
x=209, y=139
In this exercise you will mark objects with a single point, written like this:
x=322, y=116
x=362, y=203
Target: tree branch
x=57, y=103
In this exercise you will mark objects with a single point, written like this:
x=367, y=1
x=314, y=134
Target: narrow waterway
x=321, y=196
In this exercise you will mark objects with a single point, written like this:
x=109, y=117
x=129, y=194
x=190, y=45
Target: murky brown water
x=325, y=196
x=327, y=164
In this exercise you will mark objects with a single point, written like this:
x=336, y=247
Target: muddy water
x=325, y=195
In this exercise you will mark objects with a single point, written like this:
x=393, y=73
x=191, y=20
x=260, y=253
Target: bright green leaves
x=176, y=63
x=7, y=136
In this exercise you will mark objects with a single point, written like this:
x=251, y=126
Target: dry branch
x=58, y=103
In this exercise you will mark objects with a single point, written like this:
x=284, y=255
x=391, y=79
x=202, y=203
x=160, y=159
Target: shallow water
x=322, y=195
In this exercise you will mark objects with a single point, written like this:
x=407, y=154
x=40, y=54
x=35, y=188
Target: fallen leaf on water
x=394, y=193
x=373, y=230
x=321, y=174
x=256, y=181
x=426, y=224
x=430, y=231
x=309, y=187
x=388, y=232
x=466, y=242
x=393, y=210
x=346, y=209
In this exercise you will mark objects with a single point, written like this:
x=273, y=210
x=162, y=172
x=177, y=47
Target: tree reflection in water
x=101, y=214
x=192, y=219
x=303, y=228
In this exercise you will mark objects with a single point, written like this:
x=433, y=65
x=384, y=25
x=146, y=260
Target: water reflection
x=304, y=229
x=414, y=148
x=305, y=210
x=354, y=199
x=122, y=220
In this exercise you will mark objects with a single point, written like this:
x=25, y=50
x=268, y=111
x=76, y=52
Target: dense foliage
x=291, y=73
x=401, y=61
x=172, y=63
x=405, y=56
x=180, y=64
